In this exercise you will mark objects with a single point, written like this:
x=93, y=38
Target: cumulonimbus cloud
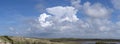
x=63, y=21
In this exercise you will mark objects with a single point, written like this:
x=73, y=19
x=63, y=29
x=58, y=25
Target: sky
x=60, y=18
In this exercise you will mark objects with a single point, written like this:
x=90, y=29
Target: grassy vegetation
x=22, y=40
x=100, y=43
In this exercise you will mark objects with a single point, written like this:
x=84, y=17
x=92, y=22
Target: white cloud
x=42, y=19
x=100, y=24
x=60, y=13
x=96, y=10
x=76, y=4
x=62, y=21
x=118, y=23
x=116, y=4
x=104, y=28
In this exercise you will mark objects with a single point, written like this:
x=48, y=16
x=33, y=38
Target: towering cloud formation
x=62, y=21
x=59, y=14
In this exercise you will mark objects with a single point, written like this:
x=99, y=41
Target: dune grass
x=23, y=40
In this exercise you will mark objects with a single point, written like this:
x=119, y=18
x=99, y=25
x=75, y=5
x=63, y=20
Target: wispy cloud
x=116, y=4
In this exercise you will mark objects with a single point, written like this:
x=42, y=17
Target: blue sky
x=60, y=18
